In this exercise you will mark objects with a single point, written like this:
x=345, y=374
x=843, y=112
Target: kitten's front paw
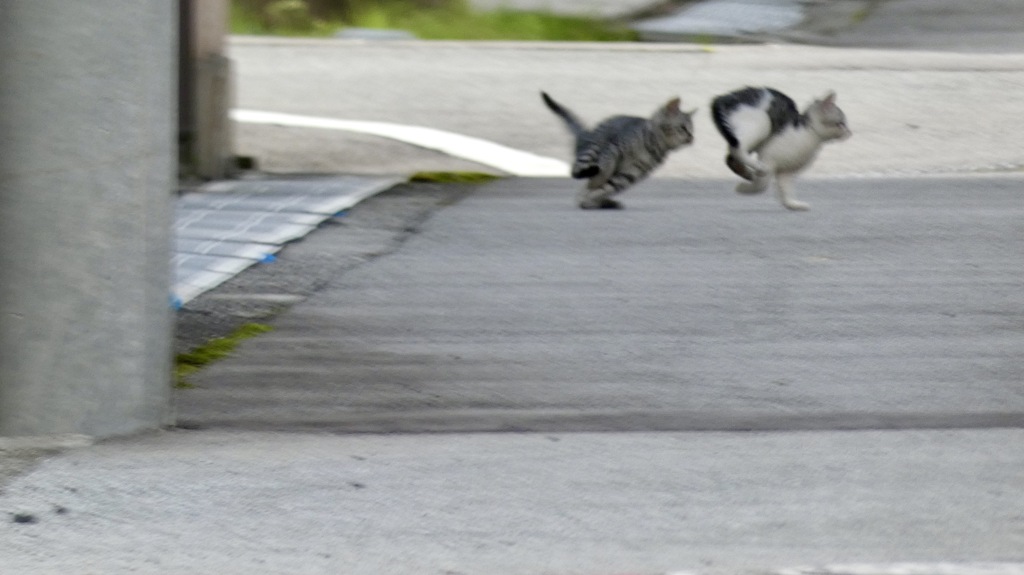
x=797, y=206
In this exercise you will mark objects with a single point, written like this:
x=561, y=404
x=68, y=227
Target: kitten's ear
x=829, y=99
x=672, y=106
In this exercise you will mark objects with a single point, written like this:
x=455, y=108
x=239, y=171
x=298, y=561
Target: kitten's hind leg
x=784, y=185
x=738, y=167
x=760, y=182
x=756, y=186
x=598, y=198
x=745, y=165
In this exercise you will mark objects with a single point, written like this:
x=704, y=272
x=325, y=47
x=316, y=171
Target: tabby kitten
x=766, y=123
x=622, y=150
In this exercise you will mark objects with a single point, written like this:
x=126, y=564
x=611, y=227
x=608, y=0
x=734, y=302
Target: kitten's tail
x=571, y=121
x=720, y=108
x=584, y=167
x=720, y=115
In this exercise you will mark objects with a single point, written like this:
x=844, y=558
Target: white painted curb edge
x=512, y=161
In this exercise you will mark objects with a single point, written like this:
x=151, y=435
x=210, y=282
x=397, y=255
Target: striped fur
x=622, y=150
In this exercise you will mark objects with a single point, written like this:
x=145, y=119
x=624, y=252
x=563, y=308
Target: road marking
x=510, y=160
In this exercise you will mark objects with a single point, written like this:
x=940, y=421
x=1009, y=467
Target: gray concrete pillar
x=207, y=90
x=87, y=176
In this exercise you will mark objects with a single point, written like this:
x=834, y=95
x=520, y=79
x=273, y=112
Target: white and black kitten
x=770, y=140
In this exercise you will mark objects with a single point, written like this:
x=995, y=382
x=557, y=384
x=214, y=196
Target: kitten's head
x=674, y=125
x=827, y=119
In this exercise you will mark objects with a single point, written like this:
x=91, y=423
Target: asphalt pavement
x=485, y=379
x=894, y=303
x=489, y=380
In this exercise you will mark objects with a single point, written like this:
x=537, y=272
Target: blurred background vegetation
x=426, y=19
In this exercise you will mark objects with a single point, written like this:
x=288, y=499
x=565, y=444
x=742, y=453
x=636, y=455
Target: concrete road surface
x=910, y=112
x=980, y=26
x=836, y=386
x=492, y=504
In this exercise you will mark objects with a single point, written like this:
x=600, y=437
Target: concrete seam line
x=510, y=160
x=944, y=568
x=44, y=442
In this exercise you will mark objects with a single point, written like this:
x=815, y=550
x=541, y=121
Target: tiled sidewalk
x=222, y=228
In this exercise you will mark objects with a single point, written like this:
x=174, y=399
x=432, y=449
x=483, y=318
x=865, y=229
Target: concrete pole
x=87, y=176
x=207, y=90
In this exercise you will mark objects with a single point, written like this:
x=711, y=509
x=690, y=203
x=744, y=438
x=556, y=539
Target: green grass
x=861, y=15
x=445, y=20
x=453, y=177
x=188, y=363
